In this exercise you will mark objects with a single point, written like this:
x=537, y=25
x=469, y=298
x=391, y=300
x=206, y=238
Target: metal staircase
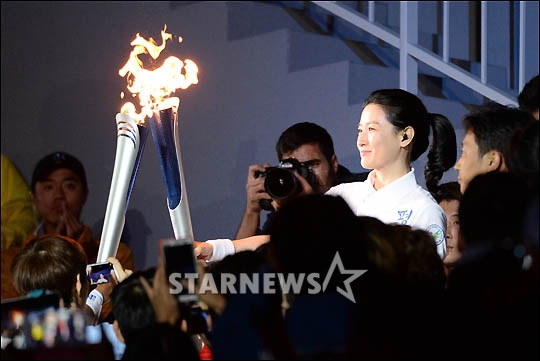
x=419, y=38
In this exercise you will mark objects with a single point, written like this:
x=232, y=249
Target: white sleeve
x=222, y=249
x=95, y=301
x=433, y=220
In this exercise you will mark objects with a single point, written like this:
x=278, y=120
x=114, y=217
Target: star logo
x=354, y=275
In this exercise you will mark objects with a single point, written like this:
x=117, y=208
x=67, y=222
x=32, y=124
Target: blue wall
x=259, y=73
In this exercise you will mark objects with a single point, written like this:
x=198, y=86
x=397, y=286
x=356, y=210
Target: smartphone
x=196, y=320
x=37, y=321
x=18, y=315
x=15, y=310
x=99, y=272
x=179, y=259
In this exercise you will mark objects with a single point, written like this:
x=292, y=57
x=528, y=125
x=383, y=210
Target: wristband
x=95, y=301
x=222, y=249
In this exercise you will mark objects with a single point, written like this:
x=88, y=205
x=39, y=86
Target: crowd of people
x=347, y=266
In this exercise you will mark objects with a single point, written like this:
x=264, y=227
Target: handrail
x=521, y=44
x=483, y=42
x=430, y=58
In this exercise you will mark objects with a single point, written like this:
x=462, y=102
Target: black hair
x=130, y=304
x=493, y=124
x=305, y=133
x=492, y=208
x=57, y=160
x=404, y=109
x=447, y=192
x=521, y=154
x=323, y=224
x=528, y=99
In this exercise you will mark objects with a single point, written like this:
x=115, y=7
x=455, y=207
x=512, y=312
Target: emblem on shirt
x=437, y=233
x=403, y=216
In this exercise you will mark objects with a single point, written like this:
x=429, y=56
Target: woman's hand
x=120, y=273
x=203, y=250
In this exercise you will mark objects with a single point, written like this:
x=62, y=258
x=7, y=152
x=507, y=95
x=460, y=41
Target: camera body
x=280, y=181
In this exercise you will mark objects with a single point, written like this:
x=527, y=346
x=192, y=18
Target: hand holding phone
x=99, y=272
x=119, y=272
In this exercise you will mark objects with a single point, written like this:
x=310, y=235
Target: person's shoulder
x=428, y=210
x=339, y=188
x=342, y=188
x=423, y=195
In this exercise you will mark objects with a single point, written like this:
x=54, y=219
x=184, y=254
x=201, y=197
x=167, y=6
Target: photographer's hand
x=255, y=189
x=306, y=187
x=255, y=192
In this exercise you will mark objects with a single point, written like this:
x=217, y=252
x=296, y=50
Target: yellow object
x=17, y=213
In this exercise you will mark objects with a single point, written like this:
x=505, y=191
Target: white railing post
x=408, y=34
x=521, y=69
x=446, y=32
x=483, y=42
x=414, y=51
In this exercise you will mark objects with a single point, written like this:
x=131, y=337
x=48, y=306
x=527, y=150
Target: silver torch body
x=131, y=138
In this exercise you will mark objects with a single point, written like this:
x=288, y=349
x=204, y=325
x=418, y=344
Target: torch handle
x=128, y=150
x=164, y=125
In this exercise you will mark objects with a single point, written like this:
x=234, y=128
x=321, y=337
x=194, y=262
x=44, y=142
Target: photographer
x=305, y=148
x=394, y=130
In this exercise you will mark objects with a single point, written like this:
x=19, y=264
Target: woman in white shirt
x=393, y=132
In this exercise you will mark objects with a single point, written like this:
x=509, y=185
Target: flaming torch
x=129, y=148
x=153, y=87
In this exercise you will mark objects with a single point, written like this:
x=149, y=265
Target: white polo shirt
x=403, y=201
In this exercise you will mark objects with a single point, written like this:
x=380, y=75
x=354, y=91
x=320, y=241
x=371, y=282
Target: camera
x=280, y=182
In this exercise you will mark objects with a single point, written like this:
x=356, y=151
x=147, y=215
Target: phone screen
x=15, y=310
x=23, y=314
x=179, y=258
x=99, y=272
x=179, y=261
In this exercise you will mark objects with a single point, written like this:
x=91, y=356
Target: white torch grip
x=126, y=153
x=180, y=216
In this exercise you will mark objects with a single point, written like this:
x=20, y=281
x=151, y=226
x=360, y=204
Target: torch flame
x=154, y=86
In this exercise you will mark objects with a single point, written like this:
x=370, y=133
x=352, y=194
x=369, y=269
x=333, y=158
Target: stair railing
x=410, y=52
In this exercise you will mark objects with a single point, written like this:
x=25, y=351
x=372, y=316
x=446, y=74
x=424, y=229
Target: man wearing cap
x=58, y=192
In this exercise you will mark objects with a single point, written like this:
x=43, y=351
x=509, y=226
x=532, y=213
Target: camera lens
x=280, y=183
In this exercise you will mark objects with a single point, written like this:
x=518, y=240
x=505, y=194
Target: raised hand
x=164, y=302
x=69, y=225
